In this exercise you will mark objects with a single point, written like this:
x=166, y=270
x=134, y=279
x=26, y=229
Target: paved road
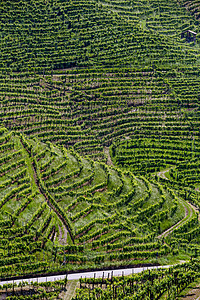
x=77, y=276
x=118, y=272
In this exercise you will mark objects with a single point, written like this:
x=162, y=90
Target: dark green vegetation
x=49, y=35
x=192, y=6
x=154, y=284
x=99, y=136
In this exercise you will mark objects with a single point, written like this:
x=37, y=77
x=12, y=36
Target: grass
x=171, y=259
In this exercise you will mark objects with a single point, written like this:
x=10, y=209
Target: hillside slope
x=82, y=84
x=44, y=36
x=89, y=75
x=62, y=211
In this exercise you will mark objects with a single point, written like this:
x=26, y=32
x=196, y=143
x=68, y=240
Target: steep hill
x=87, y=74
x=62, y=211
x=84, y=85
x=48, y=35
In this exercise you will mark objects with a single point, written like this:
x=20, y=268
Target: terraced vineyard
x=59, y=209
x=192, y=6
x=77, y=30
x=164, y=17
x=33, y=290
x=99, y=139
x=154, y=284
x=141, y=89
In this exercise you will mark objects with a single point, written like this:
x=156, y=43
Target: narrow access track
x=189, y=210
x=109, y=160
x=171, y=229
x=161, y=174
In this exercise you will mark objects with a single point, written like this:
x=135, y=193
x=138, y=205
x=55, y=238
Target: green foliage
x=150, y=284
x=80, y=215
x=107, y=82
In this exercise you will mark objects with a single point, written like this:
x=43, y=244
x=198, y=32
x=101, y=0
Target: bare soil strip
x=109, y=161
x=171, y=229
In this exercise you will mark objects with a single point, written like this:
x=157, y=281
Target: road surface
x=76, y=276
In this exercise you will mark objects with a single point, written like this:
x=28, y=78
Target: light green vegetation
x=80, y=213
x=99, y=136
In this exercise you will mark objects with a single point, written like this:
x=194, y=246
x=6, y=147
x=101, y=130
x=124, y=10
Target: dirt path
x=161, y=174
x=62, y=238
x=171, y=229
x=109, y=161
x=195, y=209
x=187, y=212
x=71, y=287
